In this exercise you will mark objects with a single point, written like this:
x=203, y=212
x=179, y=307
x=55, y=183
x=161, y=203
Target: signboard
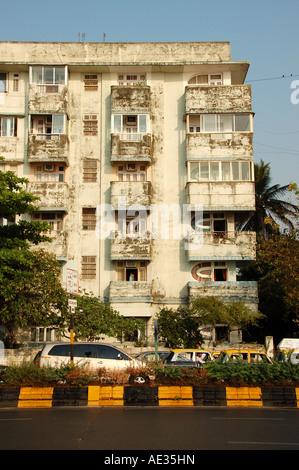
x=72, y=303
x=72, y=281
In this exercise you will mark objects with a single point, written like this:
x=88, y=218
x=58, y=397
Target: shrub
x=239, y=373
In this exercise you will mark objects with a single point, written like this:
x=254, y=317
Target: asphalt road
x=138, y=428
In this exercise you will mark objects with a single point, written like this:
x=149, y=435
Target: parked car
x=247, y=356
x=150, y=356
x=92, y=355
x=288, y=350
x=187, y=358
x=200, y=356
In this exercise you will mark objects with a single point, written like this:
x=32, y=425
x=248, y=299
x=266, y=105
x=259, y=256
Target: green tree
x=93, y=318
x=236, y=315
x=271, y=209
x=277, y=271
x=181, y=327
x=30, y=289
x=178, y=328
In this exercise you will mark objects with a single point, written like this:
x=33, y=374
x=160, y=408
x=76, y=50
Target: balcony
x=229, y=291
x=134, y=247
x=46, y=98
x=130, y=98
x=134, y=192
x=58, y=246
x=212, y=145
x=131, y=147
x=220, y=245
x=48, y=148
x=130, y=291
x=211, y=99
x=221, y=195
x=52, y=195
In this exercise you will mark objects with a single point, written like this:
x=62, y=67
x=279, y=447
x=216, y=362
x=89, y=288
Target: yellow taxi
x=181, y=356
x=247, y=356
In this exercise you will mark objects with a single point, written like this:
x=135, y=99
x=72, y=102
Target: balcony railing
x=222, y=195
x=129, y=246
x=134, y=192
x=210, y=99
x=125, y=147
x=232, y=245
x=128, y=291
x=48, y=147
x=210, y=144
x=52, y=194
x=229, y=291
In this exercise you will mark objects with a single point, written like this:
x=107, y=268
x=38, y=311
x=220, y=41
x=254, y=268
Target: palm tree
x=270, y=208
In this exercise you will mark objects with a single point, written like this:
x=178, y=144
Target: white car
x=92, y=355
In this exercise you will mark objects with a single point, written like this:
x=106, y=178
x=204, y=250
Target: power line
x=279, y=133
x=287, y=151
x=273, y=78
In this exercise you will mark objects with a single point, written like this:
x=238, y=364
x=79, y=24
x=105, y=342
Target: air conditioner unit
x=49, y=167
x=131, y=167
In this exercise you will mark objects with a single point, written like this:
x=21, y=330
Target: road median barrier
x=142, y=395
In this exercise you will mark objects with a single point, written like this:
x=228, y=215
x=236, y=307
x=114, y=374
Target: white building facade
x=142, y=155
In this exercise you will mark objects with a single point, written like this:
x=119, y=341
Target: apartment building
x=142, y=155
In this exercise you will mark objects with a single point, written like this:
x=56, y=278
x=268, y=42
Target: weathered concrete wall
x=113, y=53
x=209, y=99
x=211, y=145
x=135, y=192
x=222, y=195
x=130, y=248
x=229, y=245
x=131, y=98
x=227, y=291
x=130, y=150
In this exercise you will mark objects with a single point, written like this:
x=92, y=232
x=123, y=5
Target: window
x=54, y=219
x=131, y=172
x=3, y=83
x=9, y=167
x=44, y=334
x=133, y=226
x=48, y=127
x=131, y=127
x=225, y=123
x=210, y=271
x=133, y=79
x=131, y=271
x=88, y=267
x=15, y=85
x=211, y=222
x=207, y=79
x=49, y=172
x=8, y=127
x=90, y=168
x=90, y=124
x=90, y=82
x=89, y=219
x=220, y=171
x=48, y=78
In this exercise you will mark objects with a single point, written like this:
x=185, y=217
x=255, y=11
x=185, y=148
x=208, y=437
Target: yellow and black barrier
x=174, y=396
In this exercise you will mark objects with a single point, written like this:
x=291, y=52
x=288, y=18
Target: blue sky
x=264, y=32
